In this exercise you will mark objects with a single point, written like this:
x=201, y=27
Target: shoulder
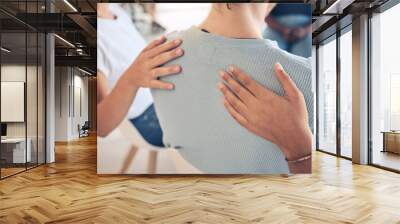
x=176, y=34
x=187, y=34
x=286, y=56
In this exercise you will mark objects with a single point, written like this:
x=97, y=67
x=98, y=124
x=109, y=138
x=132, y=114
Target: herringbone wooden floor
x=69, y=191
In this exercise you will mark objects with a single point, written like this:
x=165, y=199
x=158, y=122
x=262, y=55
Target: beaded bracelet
x=299, y=160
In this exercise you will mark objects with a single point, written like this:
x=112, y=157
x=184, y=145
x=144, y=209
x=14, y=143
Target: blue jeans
x=149, y=127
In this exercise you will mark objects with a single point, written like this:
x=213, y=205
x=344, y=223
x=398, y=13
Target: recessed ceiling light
x=70, y=5
x=338, y=6
x=84, y=71
x=5, y=49
x=64, y=40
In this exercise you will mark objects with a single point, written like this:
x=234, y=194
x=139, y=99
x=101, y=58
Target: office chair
x=84, y=130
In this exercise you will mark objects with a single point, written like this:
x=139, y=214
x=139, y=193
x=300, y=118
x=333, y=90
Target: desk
x=391, y=141
x=15, y=148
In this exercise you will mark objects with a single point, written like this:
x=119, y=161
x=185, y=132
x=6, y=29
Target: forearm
x=114, y=107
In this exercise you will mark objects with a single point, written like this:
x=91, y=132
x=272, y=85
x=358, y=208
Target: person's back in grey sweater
x=193, y=118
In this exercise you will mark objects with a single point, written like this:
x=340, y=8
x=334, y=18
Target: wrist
x=298, y=147
x=129, y=77
x=301, y=167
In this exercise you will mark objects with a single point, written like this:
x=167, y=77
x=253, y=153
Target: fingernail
x=171, y=87
x=179, y=51
x=231, y=68
x=220, y=86
x=279, y=66
x=225, y=76
x=222, y=74
x=177, y=41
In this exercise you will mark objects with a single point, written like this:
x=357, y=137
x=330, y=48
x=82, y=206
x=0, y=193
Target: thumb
x=287, y=83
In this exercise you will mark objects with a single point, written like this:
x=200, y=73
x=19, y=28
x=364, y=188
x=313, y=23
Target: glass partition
x=33, y=72
x=22, y=88
x=13, y=105
x=31, y=99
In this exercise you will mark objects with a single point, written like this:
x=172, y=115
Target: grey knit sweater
x=193, y=117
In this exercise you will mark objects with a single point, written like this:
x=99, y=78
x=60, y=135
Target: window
x=314, y=85
x=385, y=89
x=327, y=97
x=346, y=75
x=394, y=102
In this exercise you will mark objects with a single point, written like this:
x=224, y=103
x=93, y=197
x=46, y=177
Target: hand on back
x=149, y=65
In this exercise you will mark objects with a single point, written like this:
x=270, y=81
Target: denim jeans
x=148, y=126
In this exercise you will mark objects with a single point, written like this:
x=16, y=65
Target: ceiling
x=330, y=15
x=75, y=22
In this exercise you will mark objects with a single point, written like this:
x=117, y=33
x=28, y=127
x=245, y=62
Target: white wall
x=61, y=103
x=16, y=73
x=71, y=93
x=83, y=83
x=50, y=93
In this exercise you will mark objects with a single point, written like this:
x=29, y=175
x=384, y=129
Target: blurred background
x=288, y=24
x=153, y=20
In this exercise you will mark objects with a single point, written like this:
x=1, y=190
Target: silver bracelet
x=299, y=160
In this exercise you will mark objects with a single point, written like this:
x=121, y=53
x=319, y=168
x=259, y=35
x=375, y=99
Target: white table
x=19, y=155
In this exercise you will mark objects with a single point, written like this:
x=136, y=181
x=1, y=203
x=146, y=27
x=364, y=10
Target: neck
x=231, y=24
x=104, y=12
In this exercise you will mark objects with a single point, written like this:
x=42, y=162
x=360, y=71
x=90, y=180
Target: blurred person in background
x=289, y=25
x=127, y=68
